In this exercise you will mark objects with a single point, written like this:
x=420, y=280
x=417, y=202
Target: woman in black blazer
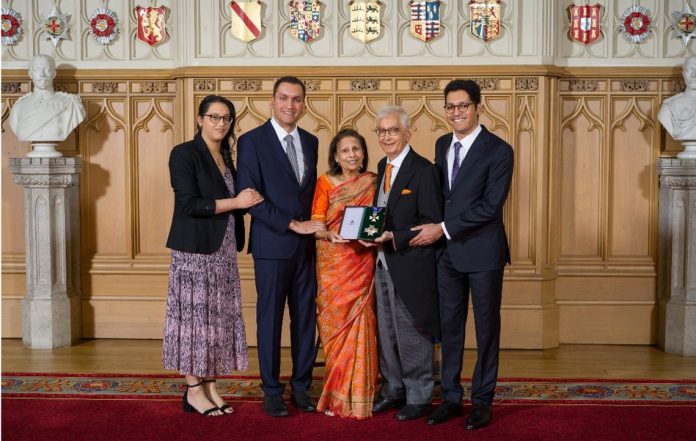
x=204, y=332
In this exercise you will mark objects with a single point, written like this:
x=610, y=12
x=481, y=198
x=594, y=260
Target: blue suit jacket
x=474, y=205
x=263, y=165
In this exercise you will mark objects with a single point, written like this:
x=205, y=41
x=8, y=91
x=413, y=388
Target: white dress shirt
x=466, y=143
x=396, y=165
x=281, y=133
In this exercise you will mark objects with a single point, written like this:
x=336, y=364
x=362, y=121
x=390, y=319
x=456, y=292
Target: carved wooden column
x=677, y=256
x=51, y=310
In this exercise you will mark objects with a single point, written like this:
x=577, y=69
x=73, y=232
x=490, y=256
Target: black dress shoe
x=381, y=404
x=273, y=406
x=303, y=402
x=412, y=411
x=480, y=417
x=443, y=413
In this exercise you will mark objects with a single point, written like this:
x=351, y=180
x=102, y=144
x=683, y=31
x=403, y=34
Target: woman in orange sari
x=345, y=272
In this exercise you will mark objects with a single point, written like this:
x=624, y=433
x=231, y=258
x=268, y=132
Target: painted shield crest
x=11, y=27
x=305, y=19
x=151, y=24
x=425, y=19
x=584, y=23
x=485, y=19
x=636, y=24
x=683, y=23
x=365, y=19
x=246, y=20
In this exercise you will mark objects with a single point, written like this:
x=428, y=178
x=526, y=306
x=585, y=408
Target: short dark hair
x=469, y=86
x=291, y=80
x=229, y=139
x=334, y=167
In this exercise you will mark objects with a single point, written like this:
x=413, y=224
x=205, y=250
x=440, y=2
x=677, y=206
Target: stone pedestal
x=677, y=256
x=51, y=310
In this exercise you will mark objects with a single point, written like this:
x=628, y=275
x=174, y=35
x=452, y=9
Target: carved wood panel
x=583, y=198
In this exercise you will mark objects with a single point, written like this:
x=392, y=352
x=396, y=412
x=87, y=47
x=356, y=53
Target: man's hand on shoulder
x=306, y=227
x=427, y=234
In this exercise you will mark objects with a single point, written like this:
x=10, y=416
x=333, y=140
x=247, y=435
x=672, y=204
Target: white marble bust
x=678, y=113
x=45, y=115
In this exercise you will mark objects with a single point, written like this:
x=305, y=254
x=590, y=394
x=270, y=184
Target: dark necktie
x=455, y=165
x=292, y=156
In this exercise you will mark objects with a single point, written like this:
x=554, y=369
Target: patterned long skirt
x=204, y=330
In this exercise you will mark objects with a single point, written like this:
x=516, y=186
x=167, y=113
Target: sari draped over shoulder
x=345, y=303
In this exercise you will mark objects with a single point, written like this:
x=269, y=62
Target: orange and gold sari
x=345, y=303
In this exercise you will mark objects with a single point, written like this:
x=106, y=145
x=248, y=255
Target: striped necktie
x=455, y=165
x=292, y=156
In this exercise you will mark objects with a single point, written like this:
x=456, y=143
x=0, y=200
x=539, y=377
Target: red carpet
x=139, y=419
x=124, y=407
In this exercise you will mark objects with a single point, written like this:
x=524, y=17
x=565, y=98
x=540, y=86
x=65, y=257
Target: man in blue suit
x=279, y=159
x=476, y=167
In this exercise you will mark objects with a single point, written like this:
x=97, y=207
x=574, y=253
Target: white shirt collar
x=400, y=157
x=282, y=133
x=468, y=139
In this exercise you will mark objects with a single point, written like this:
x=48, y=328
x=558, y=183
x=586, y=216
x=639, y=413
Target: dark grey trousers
x=405, y=354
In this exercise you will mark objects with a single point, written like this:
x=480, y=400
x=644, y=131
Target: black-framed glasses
x=392, y=131
x=215, y=118
x=462, y=107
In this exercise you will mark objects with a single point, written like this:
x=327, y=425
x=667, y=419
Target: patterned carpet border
x=247, y=388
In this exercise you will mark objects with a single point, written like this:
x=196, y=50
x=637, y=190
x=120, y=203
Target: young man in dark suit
x=405, y=285
x=477, y=170
x=279, y=159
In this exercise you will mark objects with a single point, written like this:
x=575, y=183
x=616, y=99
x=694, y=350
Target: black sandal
x=224, y=406
x=189, y=408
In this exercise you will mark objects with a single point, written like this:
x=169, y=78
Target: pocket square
x=406, y=191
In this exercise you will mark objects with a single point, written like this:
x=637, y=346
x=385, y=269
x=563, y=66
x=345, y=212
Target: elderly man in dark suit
x=279, y=159
x=405, y=285
x=477, y=169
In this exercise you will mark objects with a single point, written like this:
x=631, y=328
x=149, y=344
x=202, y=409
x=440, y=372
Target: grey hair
x=50, y=60
x=394, y=110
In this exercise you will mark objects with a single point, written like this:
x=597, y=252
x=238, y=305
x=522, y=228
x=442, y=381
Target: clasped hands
x=427, y=234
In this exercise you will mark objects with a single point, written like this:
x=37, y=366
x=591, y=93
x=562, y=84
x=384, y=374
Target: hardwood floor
x=567, y=361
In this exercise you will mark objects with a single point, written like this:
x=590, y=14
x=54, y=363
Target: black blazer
x=474, y=204
x=264, y=166
x=415, y=198
x=197, y=183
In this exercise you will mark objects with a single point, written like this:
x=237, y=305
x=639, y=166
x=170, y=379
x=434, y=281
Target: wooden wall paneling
x=427, y=121
x=358, y=111
x=13, y=245
x=632, y=182
x=153, y=199
x=318, y=120
x=521, y=199
x=581, y=178
x=106, y=211
x=582, y=264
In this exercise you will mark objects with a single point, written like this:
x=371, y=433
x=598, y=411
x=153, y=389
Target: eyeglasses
x=393, y=131
x=462, y=107
x=215, y=118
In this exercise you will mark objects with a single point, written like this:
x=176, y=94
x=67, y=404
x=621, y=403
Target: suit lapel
x=403, y=177
x=277, y=150
x=308, y=157
x=380, y=175
x=477, y=149
x=210, y=162
x=441, y=159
